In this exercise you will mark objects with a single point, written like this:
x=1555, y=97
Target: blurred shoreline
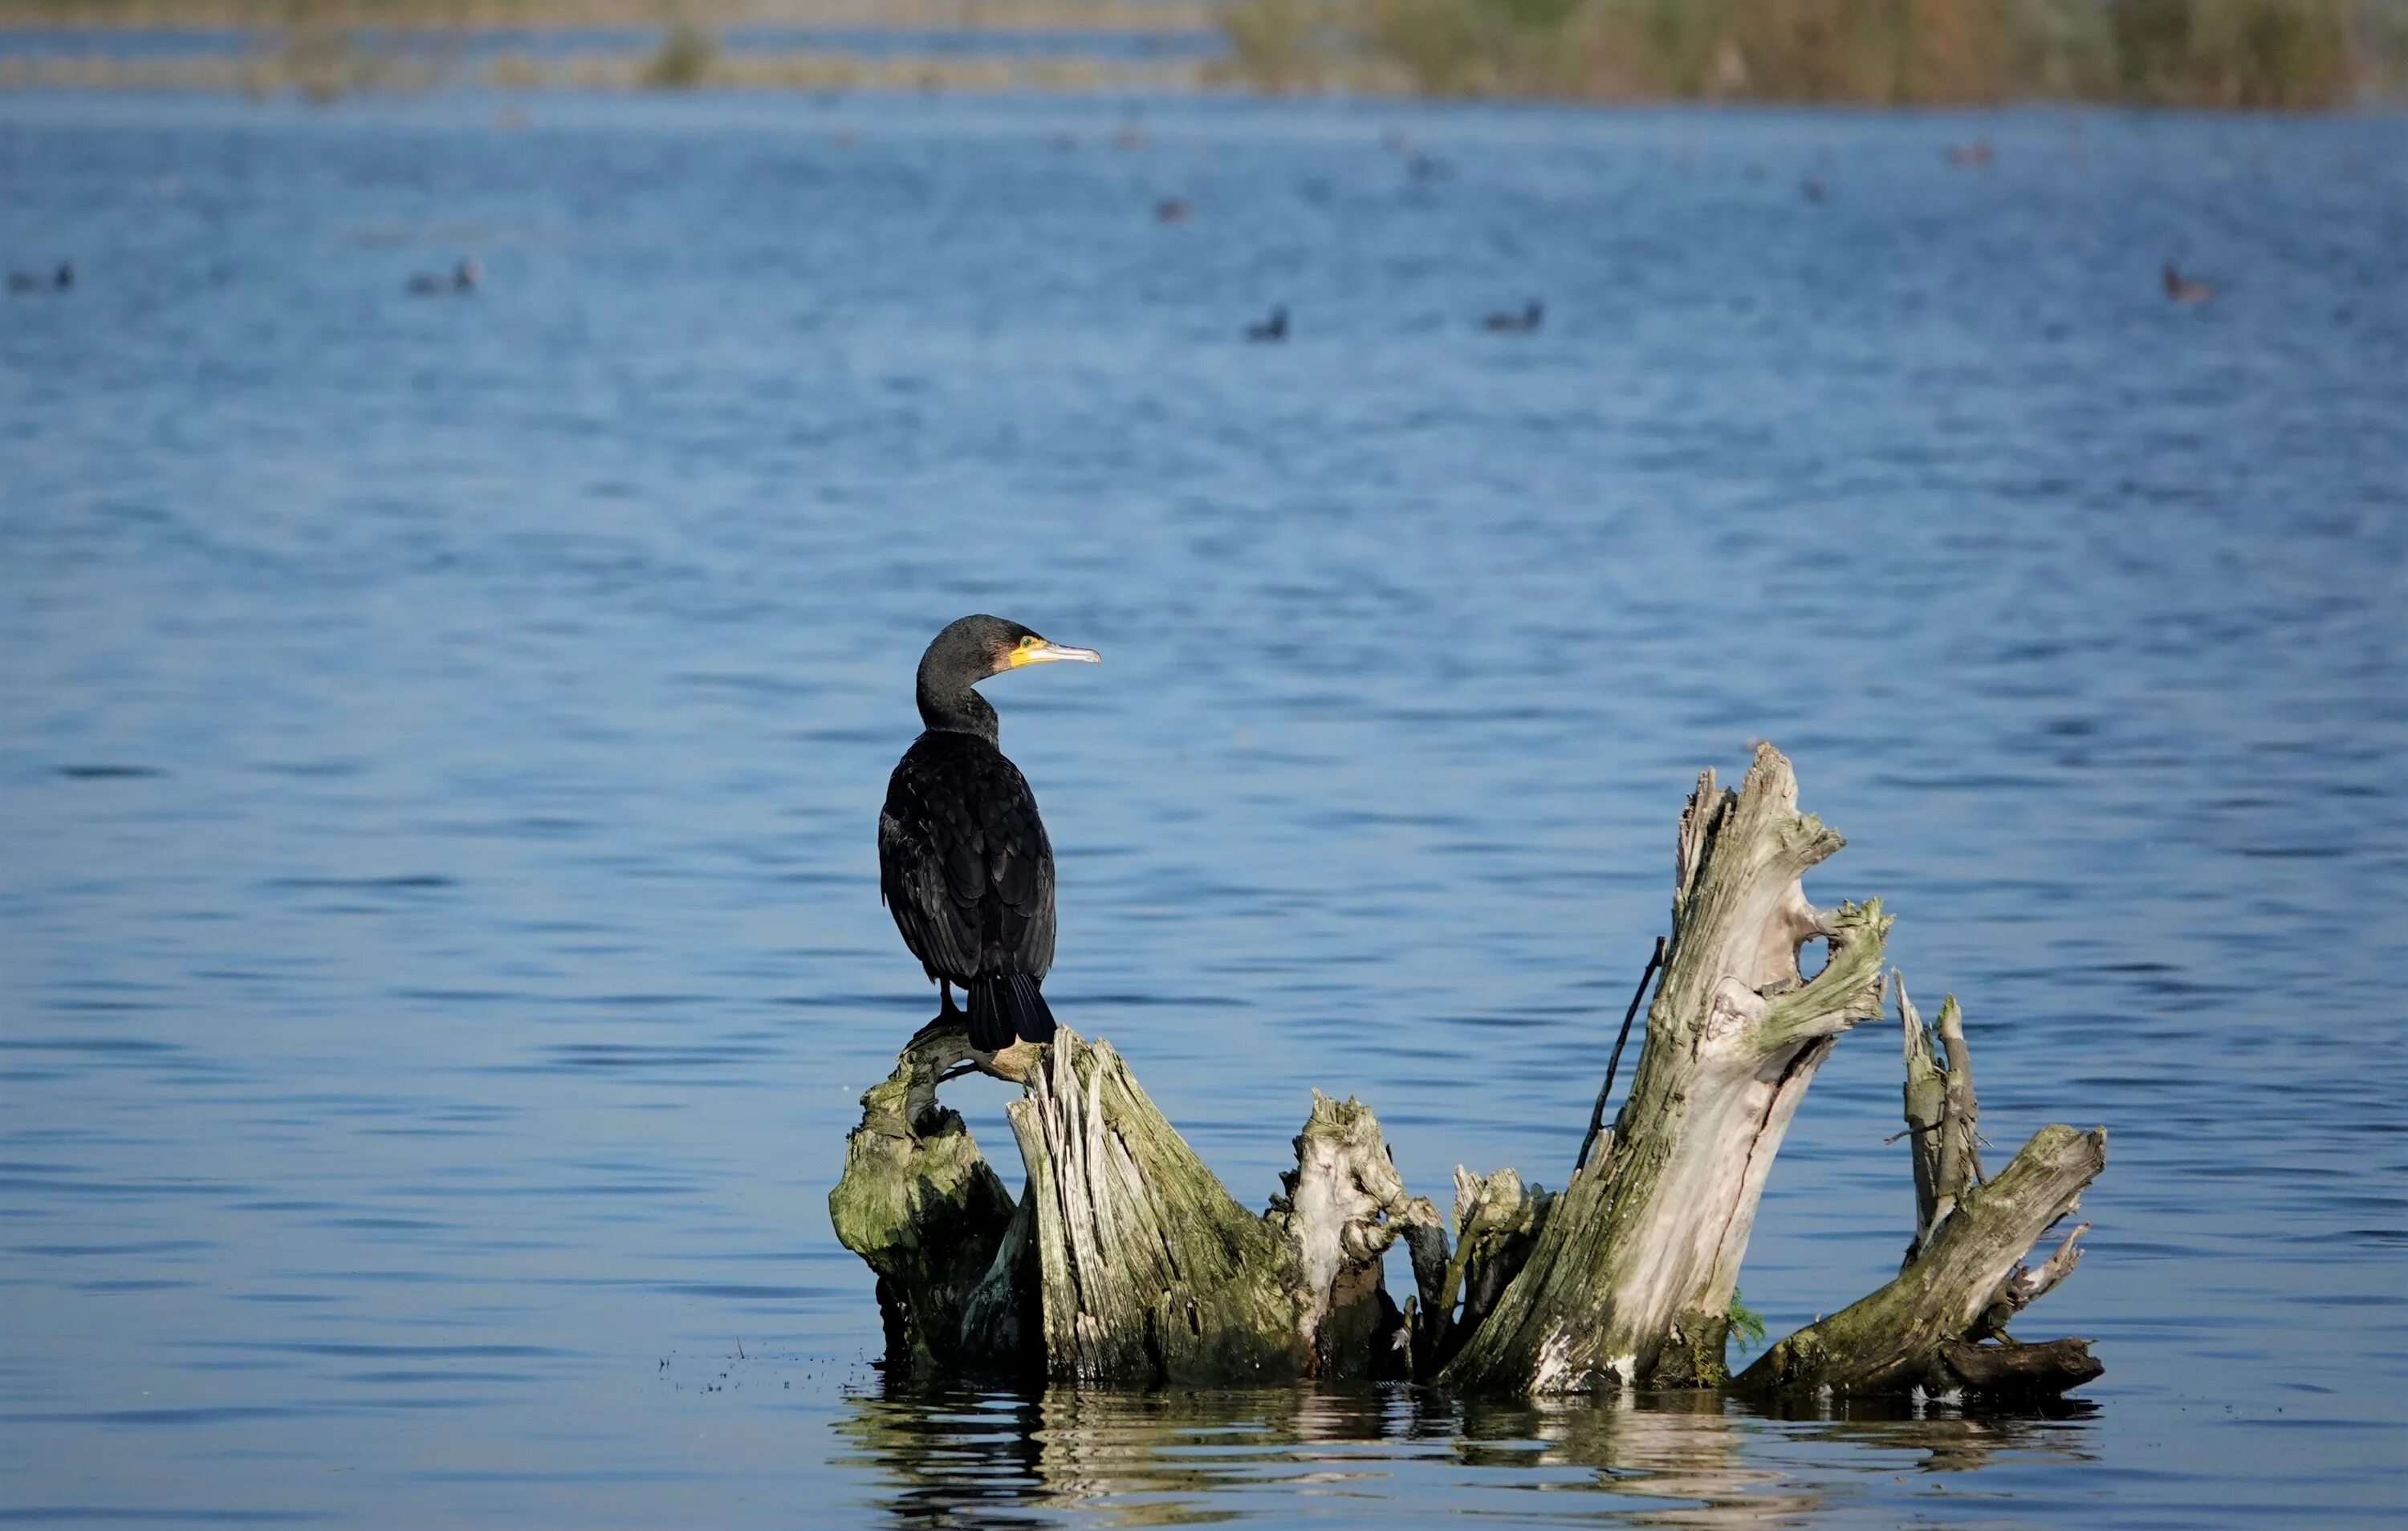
x=2313, y=55
x=604, y=69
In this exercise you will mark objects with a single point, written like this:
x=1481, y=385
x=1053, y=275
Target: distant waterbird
x=1972, y=156
x=58, y=280
x=963, y=861
x=1533, y=314
x=1271, y=330
x=463, y=277
x=1173, y=210
x=2182, y=289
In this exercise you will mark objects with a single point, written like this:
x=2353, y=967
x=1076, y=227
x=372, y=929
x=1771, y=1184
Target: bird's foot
x=944, y=1044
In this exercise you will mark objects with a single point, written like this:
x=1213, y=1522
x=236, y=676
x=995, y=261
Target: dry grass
x=2223, y=53
x=597, y=69
x=2286, y=53
x=1195, y=16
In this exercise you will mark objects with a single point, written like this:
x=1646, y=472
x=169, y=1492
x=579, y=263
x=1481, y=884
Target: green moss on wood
x=923, y=1208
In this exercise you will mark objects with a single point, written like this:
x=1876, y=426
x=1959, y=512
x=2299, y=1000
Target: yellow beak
x=1045, y=653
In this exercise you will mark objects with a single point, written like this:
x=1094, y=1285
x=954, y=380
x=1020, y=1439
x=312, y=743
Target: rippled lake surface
x=439, y=940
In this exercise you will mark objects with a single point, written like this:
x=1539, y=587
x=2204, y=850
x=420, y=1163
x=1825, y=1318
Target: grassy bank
x=2224, y=53
x=326, y=48
x=329, y=77
x=2294, y=54
x=564, y=15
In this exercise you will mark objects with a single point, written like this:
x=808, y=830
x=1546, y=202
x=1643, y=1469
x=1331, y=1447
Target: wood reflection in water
x=1169, y=1458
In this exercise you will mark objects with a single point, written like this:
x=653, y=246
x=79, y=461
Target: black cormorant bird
x=1271, y=330
x=963, y=861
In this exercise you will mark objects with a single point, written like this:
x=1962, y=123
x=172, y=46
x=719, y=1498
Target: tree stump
x=1126, y=1261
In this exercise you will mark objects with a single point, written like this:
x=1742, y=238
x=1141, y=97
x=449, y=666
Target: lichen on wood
x=1148, y=1268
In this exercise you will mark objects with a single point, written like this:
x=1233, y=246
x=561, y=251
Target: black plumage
x=963, y=861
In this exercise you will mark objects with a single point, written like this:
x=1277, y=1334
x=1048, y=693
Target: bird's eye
x=1032, y=641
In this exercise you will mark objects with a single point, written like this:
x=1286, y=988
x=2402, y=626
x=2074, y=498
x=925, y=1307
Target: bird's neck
x=952, y=706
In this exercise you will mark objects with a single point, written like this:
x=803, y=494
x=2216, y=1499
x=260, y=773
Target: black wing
x=964, y=862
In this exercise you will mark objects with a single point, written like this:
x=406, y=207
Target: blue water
x=440, y=742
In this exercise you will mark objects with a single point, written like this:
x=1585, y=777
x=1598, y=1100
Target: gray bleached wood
x=1631, y=1280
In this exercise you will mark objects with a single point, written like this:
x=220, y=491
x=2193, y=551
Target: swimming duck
x=463, y=278
x=2183, y=288
x=1529, y=319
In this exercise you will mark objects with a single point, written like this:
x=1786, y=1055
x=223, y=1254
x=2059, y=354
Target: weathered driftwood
x=919, y=1203
x=1941, y=1323
x=1942, y=1120
x=1125, y=1261
x=1629, y=1283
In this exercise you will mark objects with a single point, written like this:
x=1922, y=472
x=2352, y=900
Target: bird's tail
x=1006, y=1006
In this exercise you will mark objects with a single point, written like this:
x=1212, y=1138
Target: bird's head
x=966, y=652
x=978, y=647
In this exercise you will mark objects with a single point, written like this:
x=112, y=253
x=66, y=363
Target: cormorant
x=26, y=281
x=963, y=861
x=1525, y=322
x=1271, y=329
x=2183, y=288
